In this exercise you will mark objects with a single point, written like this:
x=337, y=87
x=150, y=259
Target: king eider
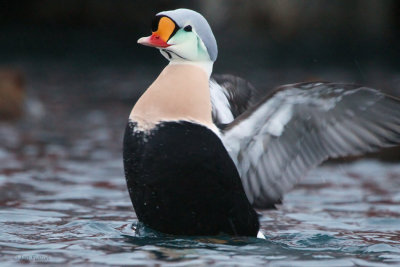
x=200, y=154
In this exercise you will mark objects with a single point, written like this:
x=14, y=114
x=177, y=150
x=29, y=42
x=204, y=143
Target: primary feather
x=276, y=142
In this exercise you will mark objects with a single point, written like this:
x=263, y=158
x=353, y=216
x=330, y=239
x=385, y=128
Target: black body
x=182, y=181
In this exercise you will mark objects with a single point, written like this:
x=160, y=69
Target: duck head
x=182, y=36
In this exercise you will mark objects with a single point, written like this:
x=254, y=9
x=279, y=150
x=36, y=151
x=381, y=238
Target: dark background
x=355, y=34
x=80, y=57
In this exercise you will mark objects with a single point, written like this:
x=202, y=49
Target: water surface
x=63, y=196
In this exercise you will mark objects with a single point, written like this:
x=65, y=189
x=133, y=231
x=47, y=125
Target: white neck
x=206, y=66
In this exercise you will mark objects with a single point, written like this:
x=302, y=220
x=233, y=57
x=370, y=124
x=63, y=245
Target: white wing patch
x=277, y=122
x=221, y=110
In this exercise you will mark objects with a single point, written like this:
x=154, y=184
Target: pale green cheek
x=202, y=50
x=189, y=45
x=180, y=37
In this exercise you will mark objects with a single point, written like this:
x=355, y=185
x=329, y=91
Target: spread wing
x=230, y=97
x=276, y=142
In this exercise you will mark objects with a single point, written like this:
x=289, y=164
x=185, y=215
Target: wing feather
x=276, y=142
x=230, y=97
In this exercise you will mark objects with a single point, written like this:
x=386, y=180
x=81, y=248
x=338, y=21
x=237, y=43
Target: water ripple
x=64, y=201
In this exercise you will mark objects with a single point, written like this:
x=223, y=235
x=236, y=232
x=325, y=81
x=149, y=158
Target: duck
x=202, y=154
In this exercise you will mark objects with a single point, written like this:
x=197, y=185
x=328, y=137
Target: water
x=63, y=196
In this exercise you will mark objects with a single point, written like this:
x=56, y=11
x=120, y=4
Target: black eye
x=187, y=28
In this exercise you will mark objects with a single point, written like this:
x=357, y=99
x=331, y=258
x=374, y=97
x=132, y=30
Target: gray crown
x=182, y=16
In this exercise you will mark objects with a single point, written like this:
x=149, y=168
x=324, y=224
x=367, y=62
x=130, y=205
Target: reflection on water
x=63, y=198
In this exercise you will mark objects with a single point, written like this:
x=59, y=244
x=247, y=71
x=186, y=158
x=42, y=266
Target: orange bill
x=160, y=37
